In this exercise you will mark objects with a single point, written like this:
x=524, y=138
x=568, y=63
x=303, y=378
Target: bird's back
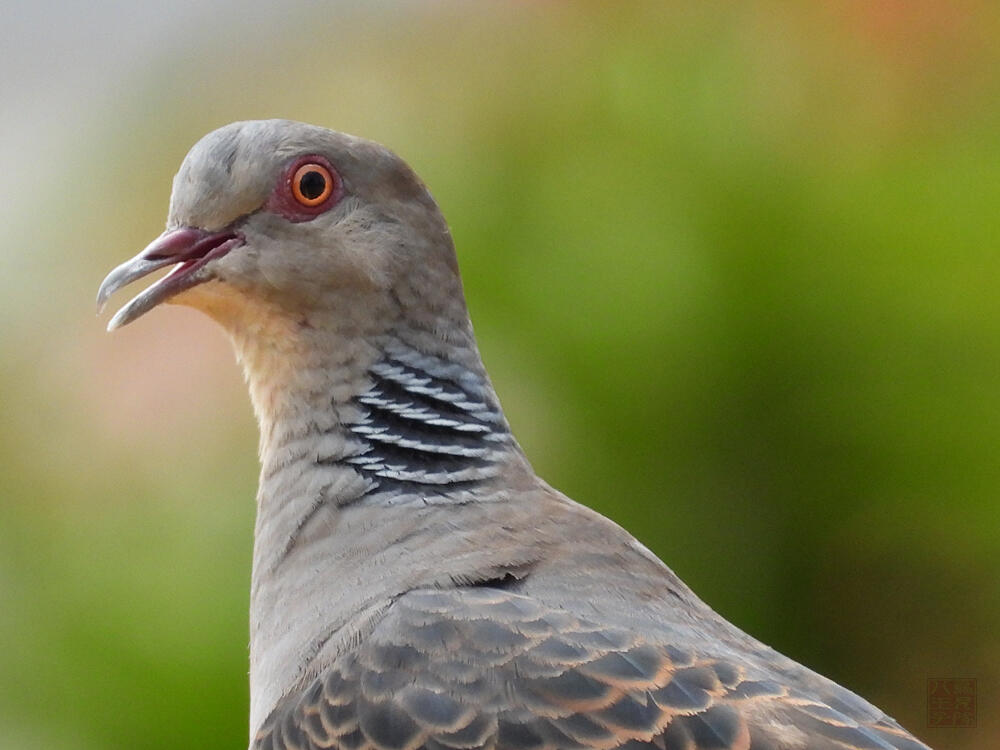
x=594, y=644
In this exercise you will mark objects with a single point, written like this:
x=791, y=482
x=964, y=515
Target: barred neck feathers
x=373, y=420
x=426, y=428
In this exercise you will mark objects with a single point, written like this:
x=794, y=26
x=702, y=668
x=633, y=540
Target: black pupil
x=312, y=185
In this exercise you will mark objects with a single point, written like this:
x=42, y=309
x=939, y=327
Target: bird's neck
x=370, y=441
x=398, y=412
x=352, y=417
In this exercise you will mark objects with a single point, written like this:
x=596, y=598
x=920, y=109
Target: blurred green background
x=734, y=271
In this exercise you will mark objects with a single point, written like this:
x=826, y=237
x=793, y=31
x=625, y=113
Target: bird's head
x=276, y=218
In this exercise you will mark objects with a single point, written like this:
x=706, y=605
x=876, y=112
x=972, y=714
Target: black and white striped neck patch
x=430, y=428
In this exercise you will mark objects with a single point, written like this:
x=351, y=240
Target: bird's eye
x=312, y=184
x=306, y=188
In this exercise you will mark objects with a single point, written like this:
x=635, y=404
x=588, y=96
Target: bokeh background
x=734, y=269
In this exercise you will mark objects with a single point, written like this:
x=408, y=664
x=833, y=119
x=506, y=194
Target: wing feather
x=479, y=667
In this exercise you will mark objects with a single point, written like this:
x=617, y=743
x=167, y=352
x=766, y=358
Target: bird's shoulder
x=488, y=667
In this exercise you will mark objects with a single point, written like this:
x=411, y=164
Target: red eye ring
x=308, y=186
x=311, y=184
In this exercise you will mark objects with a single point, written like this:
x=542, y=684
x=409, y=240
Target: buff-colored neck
x=331, y=532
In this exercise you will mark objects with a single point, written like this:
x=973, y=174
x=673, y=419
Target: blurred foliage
x=733, y=269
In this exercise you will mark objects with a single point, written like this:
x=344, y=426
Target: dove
x=415, y=585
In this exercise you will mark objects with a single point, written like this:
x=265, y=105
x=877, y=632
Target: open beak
x=186, y=248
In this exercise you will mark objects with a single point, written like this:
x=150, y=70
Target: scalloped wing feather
x=487, y=668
